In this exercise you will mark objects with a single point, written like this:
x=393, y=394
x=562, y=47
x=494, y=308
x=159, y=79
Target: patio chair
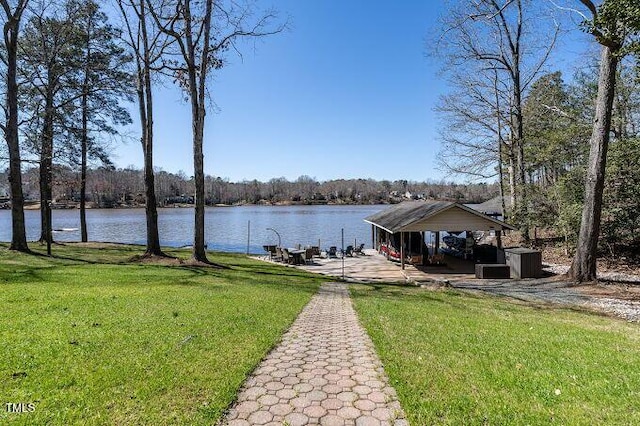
x=286, y=256
x=333, y=252
x=358, y=250
x=271, y=250
x=278, y=256
x=308, y=255
x=349, y=251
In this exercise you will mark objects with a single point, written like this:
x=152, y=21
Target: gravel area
x=543, y=291
x=619, y=297
x=546, y=290
x=629, y=310
x=618, y=306
x=604, y=276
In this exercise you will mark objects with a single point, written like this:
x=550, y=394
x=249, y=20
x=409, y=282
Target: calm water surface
x=227, y=228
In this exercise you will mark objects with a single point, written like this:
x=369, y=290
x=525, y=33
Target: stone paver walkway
x=324, y=372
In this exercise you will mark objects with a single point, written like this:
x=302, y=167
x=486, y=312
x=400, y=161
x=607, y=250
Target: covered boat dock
x=399, y=231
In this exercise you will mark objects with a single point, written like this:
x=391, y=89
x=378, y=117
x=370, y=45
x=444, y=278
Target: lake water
x=226, y=227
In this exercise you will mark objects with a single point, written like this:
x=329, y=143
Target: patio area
x=374, y=267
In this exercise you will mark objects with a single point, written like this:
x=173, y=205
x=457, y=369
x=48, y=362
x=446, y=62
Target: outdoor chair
x=308, y=255
x=358, y=250
x=333, y=252
x=349, y=251
x=286, y=256
x=278, y=256
x=271, y=250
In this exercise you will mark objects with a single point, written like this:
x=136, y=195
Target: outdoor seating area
x=300, y=255
x=292, y=256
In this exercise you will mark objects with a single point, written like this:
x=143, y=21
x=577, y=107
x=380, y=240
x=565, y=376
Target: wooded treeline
x=108, y=187
x=563, y=148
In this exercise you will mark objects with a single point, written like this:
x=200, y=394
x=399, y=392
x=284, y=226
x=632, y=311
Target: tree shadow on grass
x=24, y=275
x=455, y=297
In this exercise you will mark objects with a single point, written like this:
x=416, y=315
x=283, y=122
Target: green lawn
x=91, y=338
x=461, y=359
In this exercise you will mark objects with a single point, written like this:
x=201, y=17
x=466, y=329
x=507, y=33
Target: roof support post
x=373, y=237
x=402, y=249
x=499, y=238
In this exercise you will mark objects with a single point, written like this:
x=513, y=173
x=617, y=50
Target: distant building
x=492, y=207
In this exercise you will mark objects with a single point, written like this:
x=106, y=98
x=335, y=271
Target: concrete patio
x=374, y=267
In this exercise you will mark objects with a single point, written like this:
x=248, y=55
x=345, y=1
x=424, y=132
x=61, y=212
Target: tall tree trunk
x=199, y=251
x=197, y=90
x=521, y=188
x=84, y=237
x=83, y=169
x=151, y=209
x=513, y=196
x=46, y=166
x=18, y=228
x=145, y=100
x=521, y=180
x=501, y=180
x=500, y=144
x=583, y=267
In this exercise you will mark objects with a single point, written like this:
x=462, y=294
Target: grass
x=458, y=359
x=89, y=337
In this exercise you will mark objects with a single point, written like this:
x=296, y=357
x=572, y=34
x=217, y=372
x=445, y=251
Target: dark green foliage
x=568, y=196
x=621, y=214
x=557, y=132
x=557, y=127
x=554, y=129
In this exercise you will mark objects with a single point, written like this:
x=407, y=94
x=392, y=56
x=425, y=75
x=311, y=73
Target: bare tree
x=616, y=26
x=148, y=47
x=493, y=51
x=13, y=16
x=470, y=116
x=204, y=31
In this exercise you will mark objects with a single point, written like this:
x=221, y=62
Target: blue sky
x=347, y=92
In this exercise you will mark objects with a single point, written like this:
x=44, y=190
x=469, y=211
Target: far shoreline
x=35, y=205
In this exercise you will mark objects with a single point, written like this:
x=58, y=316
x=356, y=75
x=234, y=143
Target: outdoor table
x=297, y=255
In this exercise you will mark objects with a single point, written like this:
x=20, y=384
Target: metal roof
x=409, y=214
